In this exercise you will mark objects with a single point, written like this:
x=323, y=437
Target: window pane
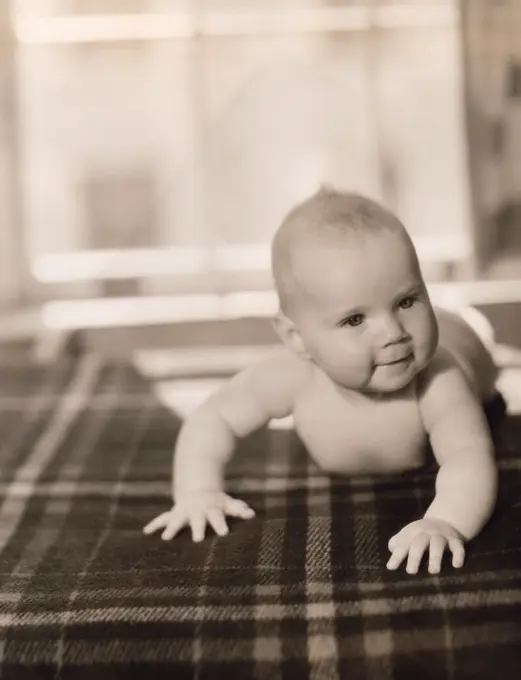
x=116, y=111
x=217, y=136
x=420, y=85
x=281, y=116
x=50, y=8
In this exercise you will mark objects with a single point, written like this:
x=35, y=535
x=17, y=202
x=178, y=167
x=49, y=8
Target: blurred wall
x=11, y=269
x=219, y=137
x=491, y=41
x=197, y=142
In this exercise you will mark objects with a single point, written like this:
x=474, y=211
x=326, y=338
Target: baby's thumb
x=393, y=543
x=237, y=508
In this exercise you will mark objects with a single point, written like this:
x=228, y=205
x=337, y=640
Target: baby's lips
x=396, y=358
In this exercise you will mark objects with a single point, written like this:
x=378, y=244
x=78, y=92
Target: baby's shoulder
x=275, y=382
x=439, y=376
x=268, y=388
x=282, y=368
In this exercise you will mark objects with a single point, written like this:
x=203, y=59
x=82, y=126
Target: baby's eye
x=407, y=302
x=353, y=320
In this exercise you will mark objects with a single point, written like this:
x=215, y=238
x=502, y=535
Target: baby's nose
x=392, y=331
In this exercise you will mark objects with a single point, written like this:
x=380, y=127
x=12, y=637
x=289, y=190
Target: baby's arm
x=466, y=484
x=208, y=437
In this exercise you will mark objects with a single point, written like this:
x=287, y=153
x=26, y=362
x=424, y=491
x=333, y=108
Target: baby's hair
x=326, y=216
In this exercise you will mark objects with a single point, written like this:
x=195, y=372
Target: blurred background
x=150, y=148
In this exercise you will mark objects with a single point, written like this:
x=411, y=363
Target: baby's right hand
x=196, y=509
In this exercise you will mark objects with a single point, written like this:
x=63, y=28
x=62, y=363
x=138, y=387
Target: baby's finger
x=458, y=552
x=416, y=551
x=176, y=522
x=217, y=522
x=158, y=523
x=198, y=525
x=236, y=508
x=398, y=556
x=436, y=550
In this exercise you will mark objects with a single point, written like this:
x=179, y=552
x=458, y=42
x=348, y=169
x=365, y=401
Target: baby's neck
x=368, y=397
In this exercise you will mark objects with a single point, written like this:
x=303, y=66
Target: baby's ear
x=290, y=335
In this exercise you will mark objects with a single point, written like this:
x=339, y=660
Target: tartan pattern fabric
x=300, y=591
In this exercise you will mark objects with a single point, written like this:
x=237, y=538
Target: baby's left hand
x=432, y=535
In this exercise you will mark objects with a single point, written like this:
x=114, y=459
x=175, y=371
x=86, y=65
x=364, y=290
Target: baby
x=369, y=371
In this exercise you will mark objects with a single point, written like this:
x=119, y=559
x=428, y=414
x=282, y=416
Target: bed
x=300, y=591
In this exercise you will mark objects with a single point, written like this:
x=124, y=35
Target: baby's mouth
x=403, y=360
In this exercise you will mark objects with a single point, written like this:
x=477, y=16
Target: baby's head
x=352, y=296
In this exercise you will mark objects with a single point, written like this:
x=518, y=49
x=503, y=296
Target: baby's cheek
x=357, y=368
x=427, y=348
x=430, y=335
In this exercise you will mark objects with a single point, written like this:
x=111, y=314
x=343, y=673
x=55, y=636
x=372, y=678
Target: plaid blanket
x=301, y=591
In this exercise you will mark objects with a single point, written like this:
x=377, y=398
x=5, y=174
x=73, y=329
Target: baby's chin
x=388, y=388
x=382, y=380
x=388, y=380
x=378, y=388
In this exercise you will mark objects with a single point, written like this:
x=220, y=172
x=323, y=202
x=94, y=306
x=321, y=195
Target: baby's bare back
x=469, y=349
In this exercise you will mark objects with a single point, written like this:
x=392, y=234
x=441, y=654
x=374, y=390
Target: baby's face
x=364, y=315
